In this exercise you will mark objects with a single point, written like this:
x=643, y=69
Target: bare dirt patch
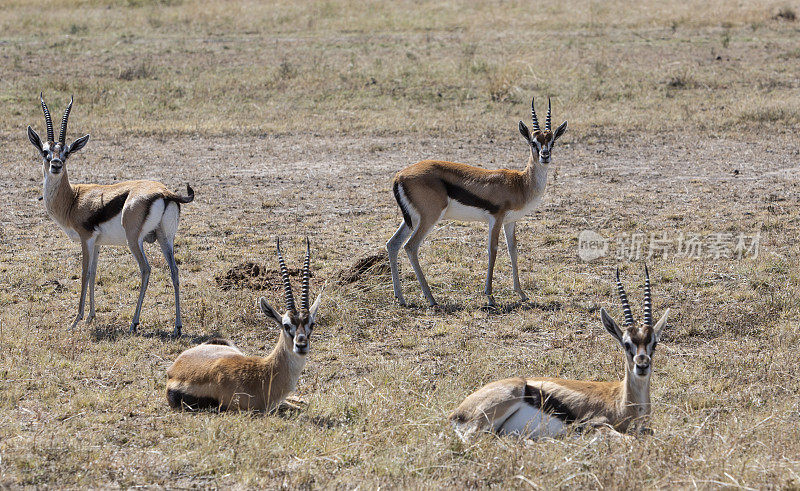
x=253, y=276
x=372, y=266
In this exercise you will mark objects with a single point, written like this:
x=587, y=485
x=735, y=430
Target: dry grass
x=291, y=119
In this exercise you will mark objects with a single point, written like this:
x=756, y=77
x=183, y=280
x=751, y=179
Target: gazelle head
x=55, y=153
x=297, y=324
x=541, y=142
x=638, y=342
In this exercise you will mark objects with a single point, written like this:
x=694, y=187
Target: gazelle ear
x=34, y=138
x=312, y=312
x=610, y=325
x=660, y=325
x=560, y=131
x=270, y=312
x=523, y=130
x=78, y=144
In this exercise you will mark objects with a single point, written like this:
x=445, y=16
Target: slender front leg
x=136, y=246
x=393, y=248
x=494, y=236
x=85, y=257
x=92, y=277
x=510, y=231
x=167, y=247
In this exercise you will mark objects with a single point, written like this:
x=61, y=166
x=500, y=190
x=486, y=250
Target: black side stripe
x=181, y=400
x=406, y=215
x=469, y=199
x=548, y=403
x=107, y=212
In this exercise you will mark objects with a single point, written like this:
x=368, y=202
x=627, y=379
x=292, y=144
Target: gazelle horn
x=648, y=303
x=63, y=134
x=47, y=119
x=547, y=121
x=287, y=285
x=306, y=276
x=533, y=116
x=626, y=308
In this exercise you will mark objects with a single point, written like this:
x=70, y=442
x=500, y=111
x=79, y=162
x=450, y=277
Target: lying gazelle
x=127, y=213
x=544, y=407
x=218, y=375
x=432, y=190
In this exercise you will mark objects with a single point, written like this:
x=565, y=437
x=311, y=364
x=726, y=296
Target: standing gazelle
x=433, y=190
x=542, y=407
x=216, y=374
x=126, y=213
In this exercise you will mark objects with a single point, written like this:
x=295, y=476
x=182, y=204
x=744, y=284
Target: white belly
x=529, y=422
x=111, y=232
x=458, y=211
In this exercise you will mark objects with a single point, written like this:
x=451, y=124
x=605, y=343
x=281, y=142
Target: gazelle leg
x=494, y=236
x=92, y=276
x=86, y=249
x=136, y=246
x=167, y=247
x=393, y=248
x=412, y=249
x=510, y=231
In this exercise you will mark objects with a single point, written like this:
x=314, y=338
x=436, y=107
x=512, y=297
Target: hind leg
x=393, y=248
x=167, y=247
x=412, y=249
x=136, y=246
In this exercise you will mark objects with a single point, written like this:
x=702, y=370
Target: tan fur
x=432, y=190
x=237, y=381
x=128, y=213
x=623, y=406
x=73, y=205
x=508, y=189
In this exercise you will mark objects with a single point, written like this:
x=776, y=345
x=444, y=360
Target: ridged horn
x=648, y=303
x=306, y=276
x=287, y=285
x=47, y=119
x=534, y=119
x=63, y=133
x=547, y=121
x=626, y=308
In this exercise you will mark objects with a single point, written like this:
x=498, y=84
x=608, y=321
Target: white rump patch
x=412, y=212
x=170, y=219
x=153, y=219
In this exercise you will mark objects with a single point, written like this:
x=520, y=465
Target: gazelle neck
x=283, y=354
x=535, y=177
x=635, y=396
x=57, y=195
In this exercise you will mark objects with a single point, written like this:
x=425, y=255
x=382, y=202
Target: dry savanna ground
x=290, y=118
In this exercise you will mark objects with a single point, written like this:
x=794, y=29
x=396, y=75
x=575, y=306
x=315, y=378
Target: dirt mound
x=368, y=266
x=253, y=276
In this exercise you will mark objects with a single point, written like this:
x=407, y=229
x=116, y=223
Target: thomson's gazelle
x=432, y=190
x=217, y=374
x=127, y=213
x=539, y=407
